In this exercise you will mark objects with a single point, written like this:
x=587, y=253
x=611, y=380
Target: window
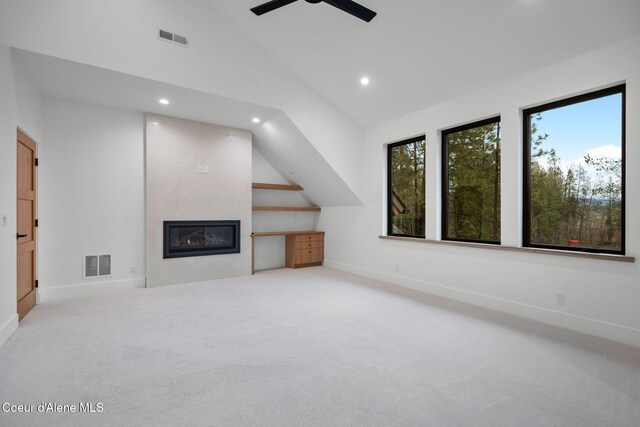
x=574, y=173
x=471, y=182
x=405, y=188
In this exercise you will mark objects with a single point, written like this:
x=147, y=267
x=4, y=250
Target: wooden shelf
x=294, y=256
x=283, y=233
x=283, y=187
x=286, y=208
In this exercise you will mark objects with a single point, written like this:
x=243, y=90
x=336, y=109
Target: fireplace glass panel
x=199, y=238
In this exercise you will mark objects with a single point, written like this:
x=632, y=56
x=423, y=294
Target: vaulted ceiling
x=304, y=61
x=421, y=52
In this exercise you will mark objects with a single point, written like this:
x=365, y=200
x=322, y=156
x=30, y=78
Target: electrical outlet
x=5, y=220
x=561, y=299
x=132, y=270
x=200, y=169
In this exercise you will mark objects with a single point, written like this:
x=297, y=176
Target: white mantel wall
x=175, y=191
x=601, y=296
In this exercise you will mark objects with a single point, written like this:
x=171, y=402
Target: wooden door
x=26, y=235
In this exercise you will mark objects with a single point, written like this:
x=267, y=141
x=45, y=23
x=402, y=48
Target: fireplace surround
x=200, y=238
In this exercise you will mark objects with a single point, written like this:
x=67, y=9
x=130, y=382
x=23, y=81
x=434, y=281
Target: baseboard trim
x=58, y=293
x=599, y=328
x=8, y=329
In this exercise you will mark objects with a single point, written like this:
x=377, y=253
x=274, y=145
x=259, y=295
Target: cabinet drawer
x=311, y=244
x=309, y=237
x=307, y=256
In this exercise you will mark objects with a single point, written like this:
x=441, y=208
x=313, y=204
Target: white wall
x=269, y=251
x=602, y=296
x=20, y=106
x=8, y=123
x=91, y=196
x=176, y=191
x=28, y=102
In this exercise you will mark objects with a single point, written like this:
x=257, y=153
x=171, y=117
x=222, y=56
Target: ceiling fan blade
x=270, y=5
x=353, y=8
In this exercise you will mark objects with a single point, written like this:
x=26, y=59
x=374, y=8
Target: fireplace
x=200, y=238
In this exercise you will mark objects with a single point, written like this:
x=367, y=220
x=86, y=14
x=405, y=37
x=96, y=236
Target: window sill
x=553, y=252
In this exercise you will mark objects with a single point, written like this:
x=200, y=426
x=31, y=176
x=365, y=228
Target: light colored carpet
x=309, y=347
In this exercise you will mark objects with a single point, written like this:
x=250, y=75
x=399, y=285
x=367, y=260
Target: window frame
x=526, y=171
x=390, y=147
x=445, y=178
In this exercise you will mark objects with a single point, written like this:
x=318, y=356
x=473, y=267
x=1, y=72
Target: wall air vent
x=173, y=38
x=97, y=266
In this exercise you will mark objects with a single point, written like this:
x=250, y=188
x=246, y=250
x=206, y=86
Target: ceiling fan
x=348, y=6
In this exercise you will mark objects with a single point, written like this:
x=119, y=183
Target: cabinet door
x=316, y=255
x=303, y=256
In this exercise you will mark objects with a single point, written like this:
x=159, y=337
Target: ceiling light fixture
x=164, y=101
x=365, y=81
x=255, y=120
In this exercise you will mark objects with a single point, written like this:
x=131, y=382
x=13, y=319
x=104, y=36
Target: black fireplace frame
x=167, y=253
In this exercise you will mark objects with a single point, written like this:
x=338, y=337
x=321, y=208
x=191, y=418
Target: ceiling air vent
x=180, y=40
x=173, y=38
x=165, y=35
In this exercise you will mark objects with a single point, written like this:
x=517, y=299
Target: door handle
x=21, y=235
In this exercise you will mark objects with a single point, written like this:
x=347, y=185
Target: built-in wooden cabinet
x=304, y=250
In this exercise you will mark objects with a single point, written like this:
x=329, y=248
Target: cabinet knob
x=309, y=251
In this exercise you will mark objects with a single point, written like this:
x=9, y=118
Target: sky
x=592, y=127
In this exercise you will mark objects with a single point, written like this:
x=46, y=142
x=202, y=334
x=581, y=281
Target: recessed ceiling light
x=365, y=81
x=164, y=101
x=255, y=120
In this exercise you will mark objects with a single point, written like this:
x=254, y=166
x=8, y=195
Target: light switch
x=5, y=220
x=206, y=169
x=200, y=168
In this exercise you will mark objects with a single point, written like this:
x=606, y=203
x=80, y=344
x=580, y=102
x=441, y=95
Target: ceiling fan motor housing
x=349, y=6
